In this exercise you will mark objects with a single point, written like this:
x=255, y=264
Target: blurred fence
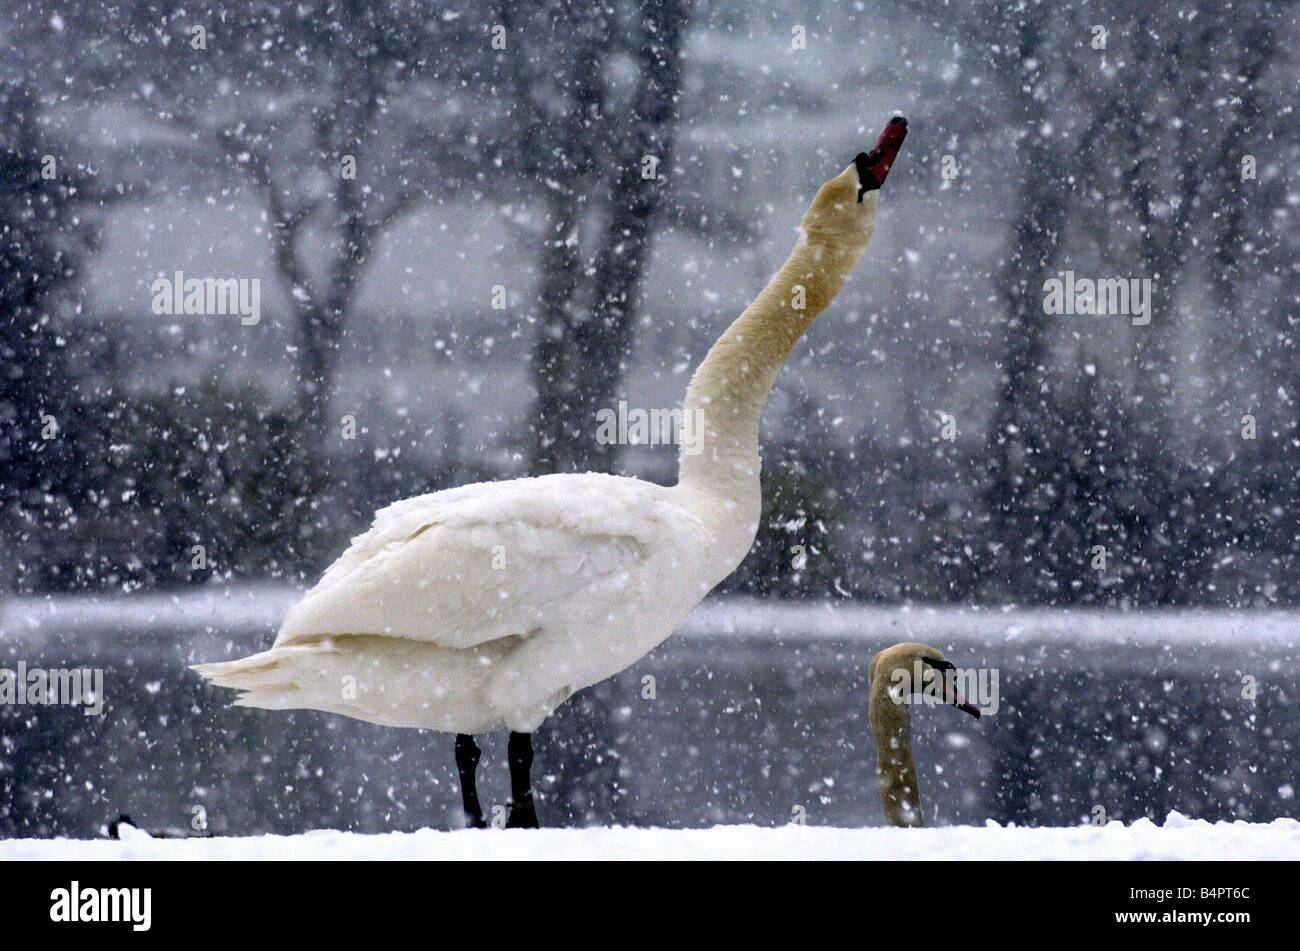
x=758, y=715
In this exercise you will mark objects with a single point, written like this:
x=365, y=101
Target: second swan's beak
x=873, y=166
x=965, y=706
x=954, y=696
x=959, y=701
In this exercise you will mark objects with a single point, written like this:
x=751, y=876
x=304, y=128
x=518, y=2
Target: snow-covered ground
x=1178, y=838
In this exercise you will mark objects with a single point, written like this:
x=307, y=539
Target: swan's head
x=846, y=205
x=899, y=667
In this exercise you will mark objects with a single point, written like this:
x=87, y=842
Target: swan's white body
x=484, y=607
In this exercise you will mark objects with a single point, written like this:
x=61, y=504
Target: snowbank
x=1178, y=838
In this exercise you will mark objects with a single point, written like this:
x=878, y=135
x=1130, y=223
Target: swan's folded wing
x=463, y=568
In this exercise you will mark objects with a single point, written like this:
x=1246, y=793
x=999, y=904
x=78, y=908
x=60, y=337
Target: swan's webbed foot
x=523, y=813
x=467, y=757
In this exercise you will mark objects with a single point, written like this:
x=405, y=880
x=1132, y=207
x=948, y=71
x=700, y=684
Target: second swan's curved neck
x=895, y=771
x=726, y=395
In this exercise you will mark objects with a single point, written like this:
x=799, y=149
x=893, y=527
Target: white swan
x=896, y=675
x=484, y=607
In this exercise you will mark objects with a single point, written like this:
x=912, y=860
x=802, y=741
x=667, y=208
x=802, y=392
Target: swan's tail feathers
x=392, y=681
x=269, y=680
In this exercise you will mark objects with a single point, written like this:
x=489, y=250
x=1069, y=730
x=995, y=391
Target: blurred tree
x=592, y=155
x=1063, y=449
x=342, y=116
x=329, y=109
x=37, y=259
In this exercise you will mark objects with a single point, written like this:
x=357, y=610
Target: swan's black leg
x=467, y=755
x=523, y=814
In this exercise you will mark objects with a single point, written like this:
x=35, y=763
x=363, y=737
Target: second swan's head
x=845, y=207
x=901, y=672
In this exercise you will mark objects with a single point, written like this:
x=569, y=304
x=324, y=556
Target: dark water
x=741, y=729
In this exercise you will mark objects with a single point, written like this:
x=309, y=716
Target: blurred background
x=521, y=169
x=475, y=225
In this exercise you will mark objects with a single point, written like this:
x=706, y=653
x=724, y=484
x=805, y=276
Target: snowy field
x=1178, y=838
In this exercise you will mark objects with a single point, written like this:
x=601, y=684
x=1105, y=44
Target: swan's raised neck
x=728, y=390
x=726, y=395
